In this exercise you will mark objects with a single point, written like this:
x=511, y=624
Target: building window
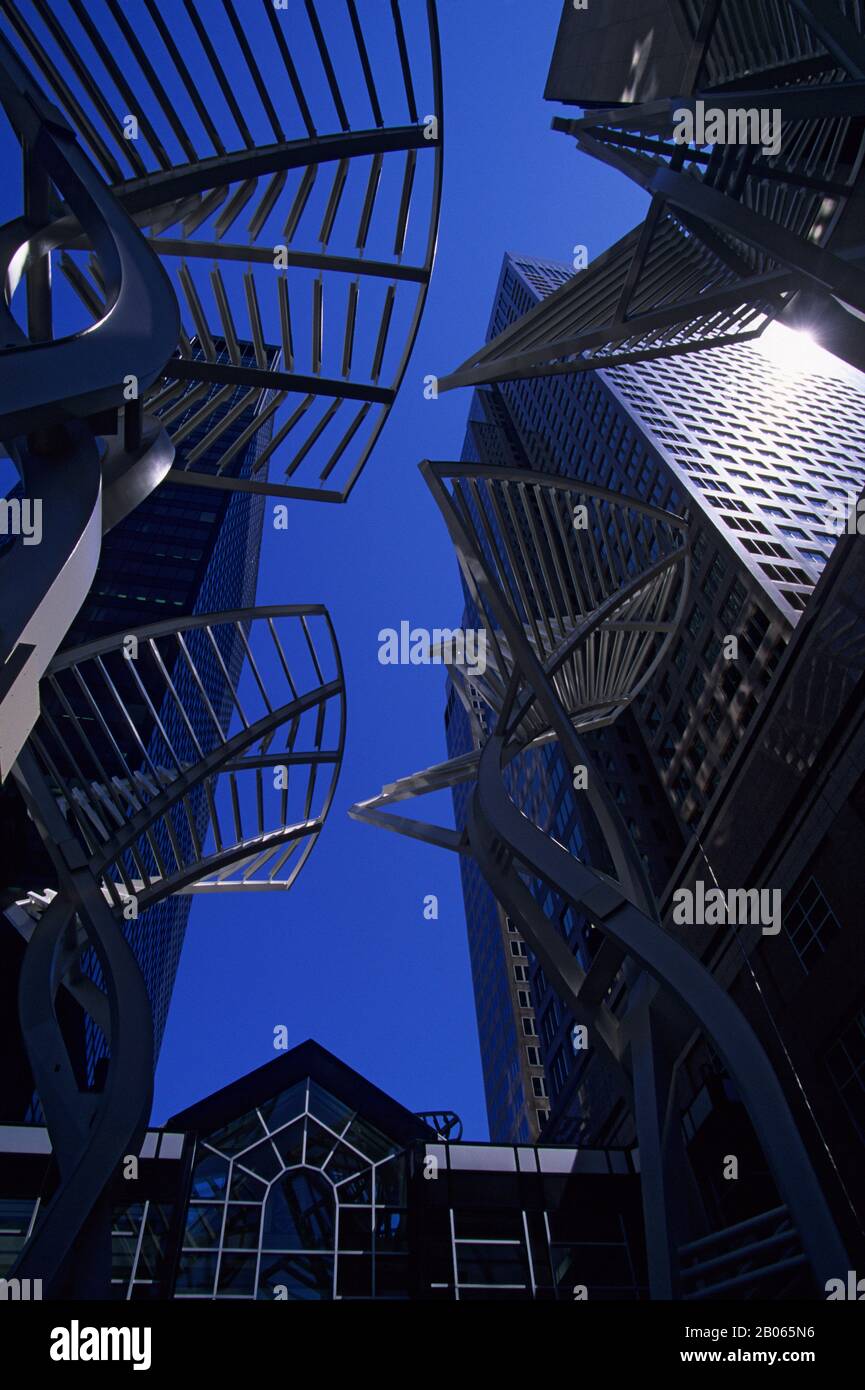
x=518, y=948
x=712, y=582
x=529, y=1028
x=696, y=618
x=525, y=998
x=845, y=1061
x=730, y=681
x=697, y=684
x=539, y=1086
x=559, y=1070
x=811, y=924
x=521, y=973
x=550, y=1024
x=534, y=1056
x=732, y=605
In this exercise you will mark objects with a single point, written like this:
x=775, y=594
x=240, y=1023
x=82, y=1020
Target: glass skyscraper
x=758, y=455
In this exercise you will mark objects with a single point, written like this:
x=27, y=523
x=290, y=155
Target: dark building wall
x=791, y=817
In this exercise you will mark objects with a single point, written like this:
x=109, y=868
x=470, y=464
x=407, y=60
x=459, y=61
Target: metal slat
x=384, y=329
x=345, y=441
x=350, y=320
x=317, y=323
x=327, y=64
x=365, y=63
x=222, y=304
x=291, y=71
x=265, y=207
x=404, y=60
x=372, y=187
x=198, y=316
x=333, y=202
x=191, y=87
x=219, y=74
x=254, y=313
x=234, y=207
x=405, y=203
x=301, y=198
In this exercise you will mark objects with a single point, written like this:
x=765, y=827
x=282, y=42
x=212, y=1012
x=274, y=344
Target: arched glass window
x=300, y=1213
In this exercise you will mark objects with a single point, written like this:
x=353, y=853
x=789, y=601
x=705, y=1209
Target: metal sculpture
x=148, y=773
x=163, y=762
x=516, y=576
x=58, y=395
x=317, y=209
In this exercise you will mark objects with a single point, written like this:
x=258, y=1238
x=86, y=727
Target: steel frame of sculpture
x=129, y=826
x=641, y=1050
x=50, y=389
x=733, y=238
x=377, y=136
x=114, y=819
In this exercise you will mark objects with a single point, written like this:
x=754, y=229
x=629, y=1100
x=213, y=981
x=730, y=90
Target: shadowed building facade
x=303, y=1181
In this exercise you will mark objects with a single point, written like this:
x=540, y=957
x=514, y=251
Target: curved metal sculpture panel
x=302, y=228
x=598, y=581
x=593, y=584
x=198, y=754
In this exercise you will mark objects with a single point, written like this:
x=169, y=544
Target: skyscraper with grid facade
x=758, y=454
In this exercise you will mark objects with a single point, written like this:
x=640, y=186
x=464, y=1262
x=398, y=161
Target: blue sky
x=346, y=956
